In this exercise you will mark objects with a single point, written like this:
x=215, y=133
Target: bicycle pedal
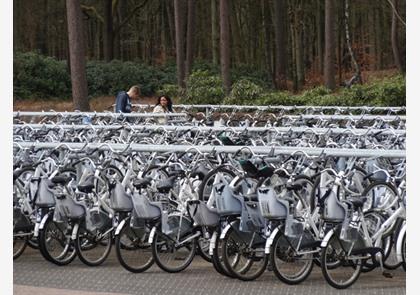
x=387, y=275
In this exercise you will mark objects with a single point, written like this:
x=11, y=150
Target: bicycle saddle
x=251, y=198
x=142, y=182
x=176, y=173
x=201, y=171
x=61, y=180
x=254, y=172
x=226, y=140
x=87, y=185
x=378, y=176
x=166, y=185
x=356, y=202
x=294, y=187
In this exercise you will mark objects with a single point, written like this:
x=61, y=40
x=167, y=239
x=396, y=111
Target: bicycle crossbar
x=356, y=131
x=274, y=150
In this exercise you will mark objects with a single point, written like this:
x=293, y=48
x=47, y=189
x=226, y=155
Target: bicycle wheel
x=403, y=252
x=243, y=254
x=217, y=259
x=380, y=194
x=339, y=269
x=22, y=177
x=133, y=250
x=206, y=185
x=374, y=220
x=203, y=248
x=93, y=247
x=170, y=251
x=20, y=241
x=289, y=267
x=55, y=243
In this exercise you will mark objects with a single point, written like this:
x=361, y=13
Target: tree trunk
x=280, y=41
x=108, y=31
x=214, y=31
x=357, y=76
x=394, y=38
x=77, y=56
x=329, y=66
x=238, y=46
x=225, y=45
x=267, y=40
x=190, y=37
x=300, y=67
x=163, y=29
x=319, y=30
x=179, y=42
x=171, y=23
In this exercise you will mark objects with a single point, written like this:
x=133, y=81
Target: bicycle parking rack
x=366, y=109
x=336, y=131
x=269, y=150
x=385, y=118
x=96, y=114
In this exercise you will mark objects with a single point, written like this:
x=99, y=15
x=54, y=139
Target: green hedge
x=37, y=76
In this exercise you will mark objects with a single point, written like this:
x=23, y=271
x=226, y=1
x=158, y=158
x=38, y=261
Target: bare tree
x=77, y=55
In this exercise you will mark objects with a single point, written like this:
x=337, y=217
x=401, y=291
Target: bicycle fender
x=327, y=238
x=212, y=243
x=120, y=226
x=224, y=231
x=270, y=240
x=36, y=229
x=74, y=231
x=152, y=235
x=399, y=242
x=43, y=221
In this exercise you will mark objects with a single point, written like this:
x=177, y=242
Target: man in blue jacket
x=122, y=101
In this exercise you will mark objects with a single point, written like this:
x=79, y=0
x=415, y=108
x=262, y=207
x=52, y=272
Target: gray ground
x=32, y=274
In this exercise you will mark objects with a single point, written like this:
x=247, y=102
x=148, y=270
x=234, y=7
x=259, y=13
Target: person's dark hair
x=169, y=102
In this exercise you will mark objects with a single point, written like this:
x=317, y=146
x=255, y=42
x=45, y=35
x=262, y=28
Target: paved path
x=34, y=275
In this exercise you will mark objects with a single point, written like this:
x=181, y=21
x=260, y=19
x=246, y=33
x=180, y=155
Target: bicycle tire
x=165, y=245
x=90, y=250
x=45, y=239
x=282, y=251
x=254, y=259
x=127, y=243
x=330, y=253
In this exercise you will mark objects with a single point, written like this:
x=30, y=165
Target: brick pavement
x=34, y=275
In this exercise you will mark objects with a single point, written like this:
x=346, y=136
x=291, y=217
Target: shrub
x=37, y=76
x=204, y=88
x=170, y=89
x=243, y=92
x=279, y=98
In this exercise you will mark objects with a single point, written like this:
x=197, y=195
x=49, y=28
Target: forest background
x=264, y=52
